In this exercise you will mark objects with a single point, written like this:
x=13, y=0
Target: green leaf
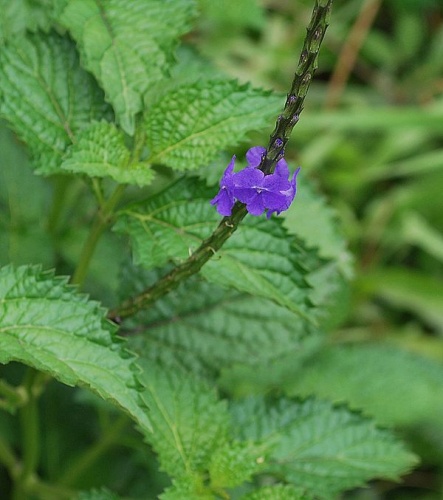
x=202, y=328
x=127, y=46
x=319, y=447
x=259, y=259
x=278, y=492
x=232, y=464
x=45, y=95
x=187, y=488
x=46, y=325
x=188, y=419
x=100, y=151
x=408, y=290
x=189, y=125
x=21, y=15
x=391, y=378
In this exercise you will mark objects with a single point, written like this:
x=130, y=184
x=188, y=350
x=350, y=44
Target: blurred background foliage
x=371, y=139
x=370, y=143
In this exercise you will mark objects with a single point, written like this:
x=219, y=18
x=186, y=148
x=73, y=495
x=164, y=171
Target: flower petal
x=254, y=155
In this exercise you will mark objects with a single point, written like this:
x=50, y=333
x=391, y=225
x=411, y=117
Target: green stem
x=86, y=460
x=13, y=396
x=100, y=223
x=8, y=459
x=275, y=151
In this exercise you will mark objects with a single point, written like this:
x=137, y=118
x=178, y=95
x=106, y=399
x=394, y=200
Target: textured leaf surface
x=21, y=15
x=189, y=125
x=100, y=151
x=278, y=492
x=46, y=96
x=209, y=330
x=127, y=46
x=324, y=449
x=382, y=380
x=259, y=259
x=46, y=325
x=189, y=421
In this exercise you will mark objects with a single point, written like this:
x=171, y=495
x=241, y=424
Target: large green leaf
x=127, y=46
x=319, y=447
x=188, y=419
x=46, y=96
x=400, y=388
x=46, y=325
x=254, y=343
x=100, y=151
x=260, y=259
x=188, y=126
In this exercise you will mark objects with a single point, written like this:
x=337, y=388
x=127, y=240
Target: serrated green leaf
x=260, y=259
x=188, y=420
x=46, y=325
x=392, y=379
x=21, y=15
x=189, y=125
x=127, y=46
x=202, y=328
x=187, y=488
x=46, y=96
x=232, y=464
x=319, y=447
x=278, y=492
x=100, y=151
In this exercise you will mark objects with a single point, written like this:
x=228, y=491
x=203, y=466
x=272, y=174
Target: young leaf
x=100, y=151
x=206, y=329
x=187, y=488
x=127, y=46
x=46, y=325
x=316, y=446
x=189, y=125
x=45, y=95
x=259, y=259
x=188, y=420
x=392, y=378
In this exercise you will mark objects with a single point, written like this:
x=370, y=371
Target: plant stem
x=13, y=396
x=100, y=223
x=275, y=151
x=8, y=459
x=86, y=460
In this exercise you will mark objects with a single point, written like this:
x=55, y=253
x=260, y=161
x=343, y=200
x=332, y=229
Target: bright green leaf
x=45, y=95
x=189, y=125
x=319, y=447
x=100, y=151
x=188, y=419
x=46, y=325
x=127, y=46
x=391, y=378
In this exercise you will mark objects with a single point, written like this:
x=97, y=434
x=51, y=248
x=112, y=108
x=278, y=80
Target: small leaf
x=46, y=97
x=127, y=46
x=100, y=151
x=259, y=259
x=187, y=488
x=316, y=446
x=46, y=325
x=189, y=125
x=233, y=464
x=188, y=419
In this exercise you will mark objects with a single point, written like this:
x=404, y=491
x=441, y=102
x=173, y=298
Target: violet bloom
x=225, y=199
x=259, y=192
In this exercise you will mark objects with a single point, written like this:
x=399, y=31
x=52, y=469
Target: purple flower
x=259, y=192
x=225, y=199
